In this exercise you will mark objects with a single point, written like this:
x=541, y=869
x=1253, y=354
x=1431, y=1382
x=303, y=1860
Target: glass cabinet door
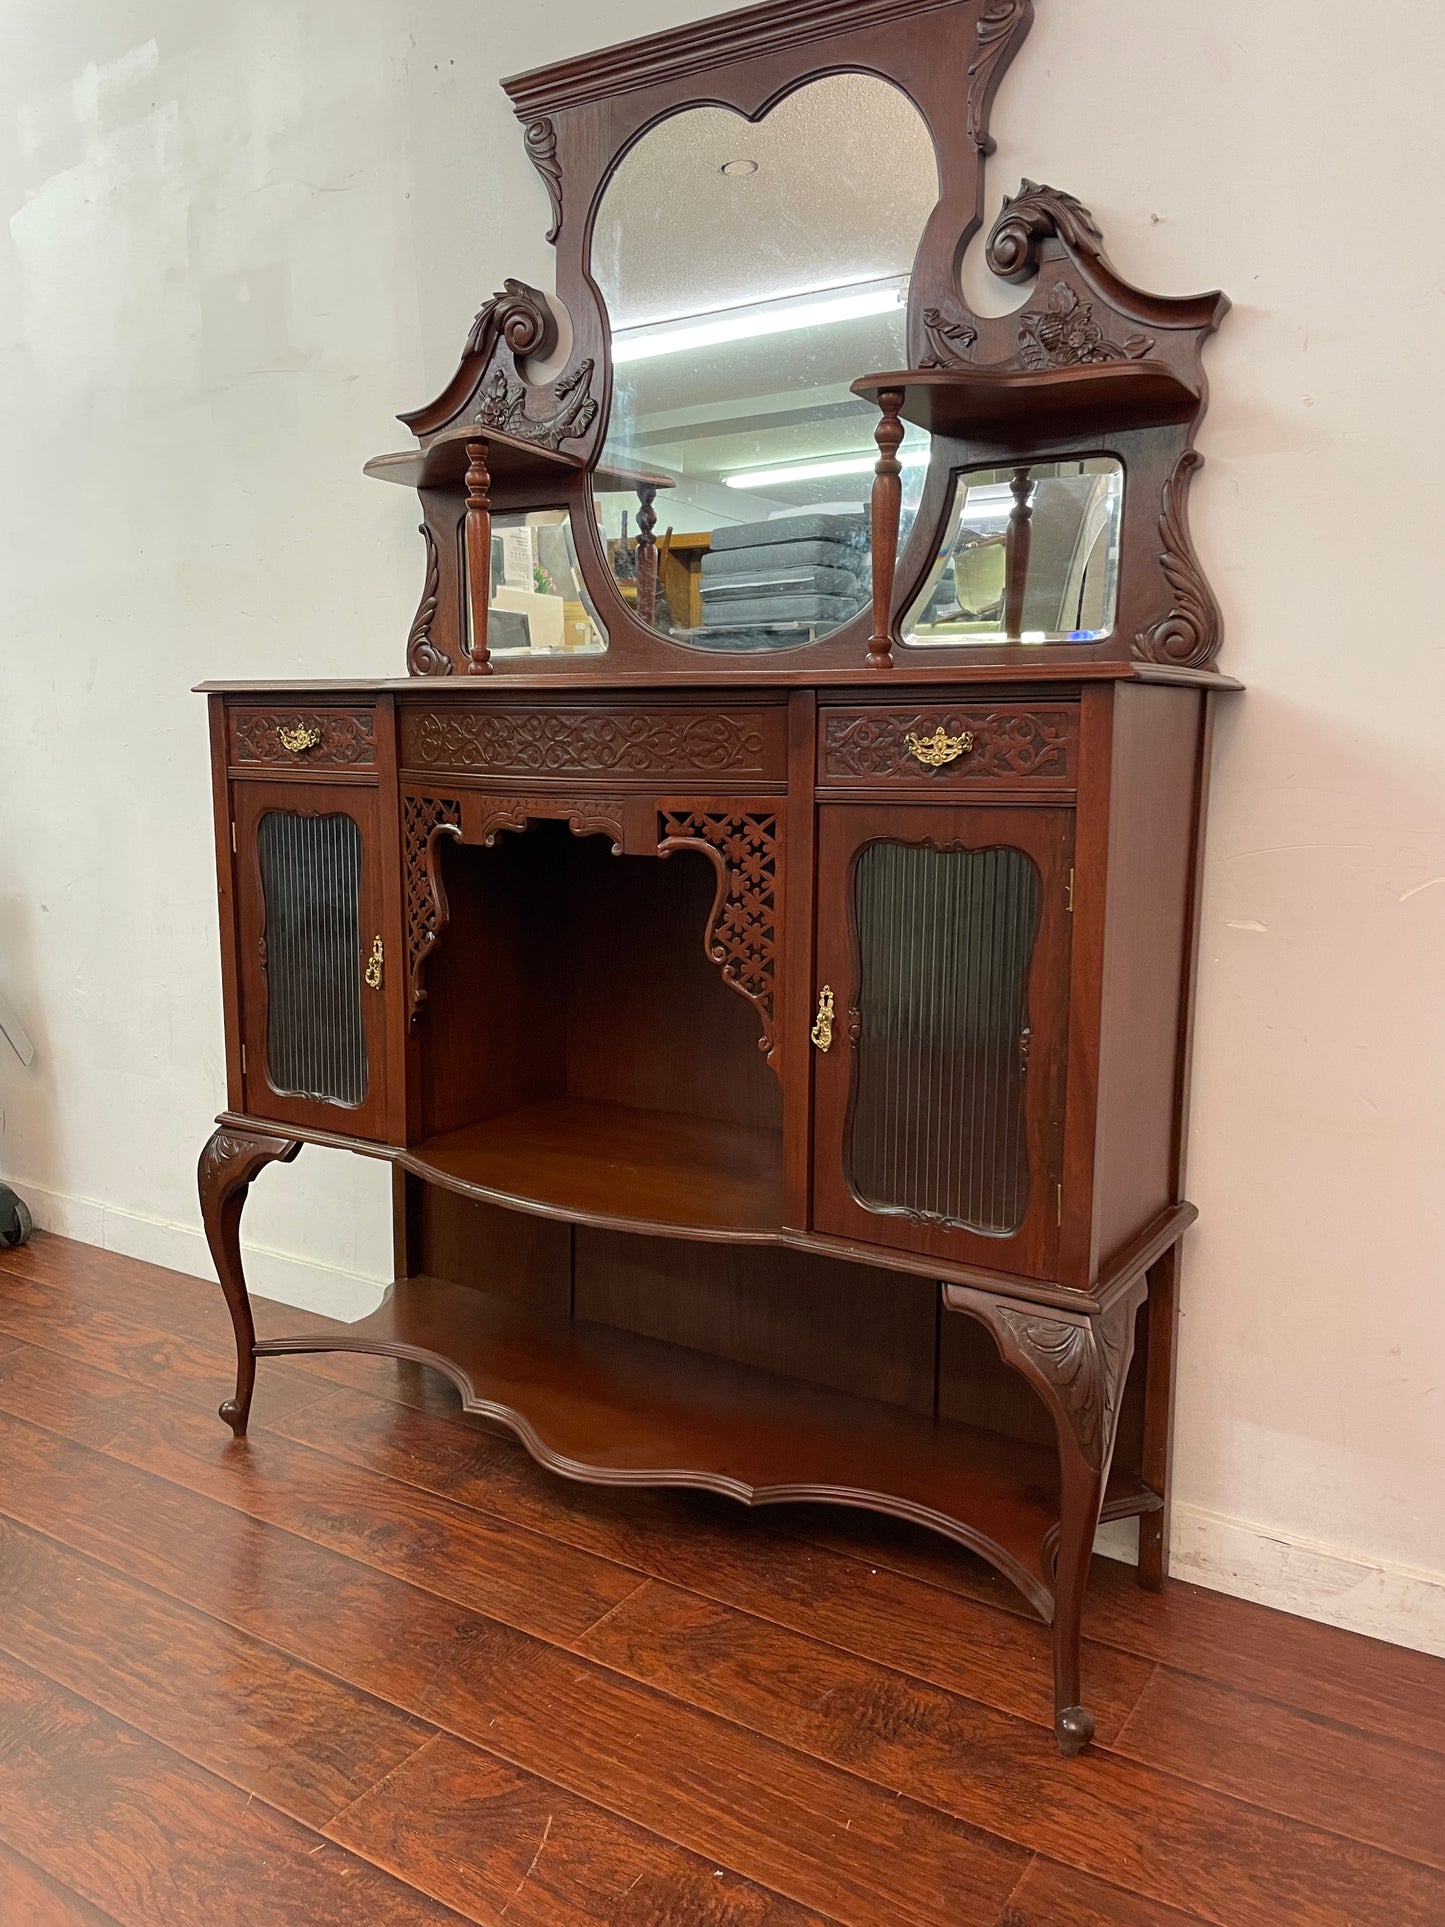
x=943, y=955
x=314, y=968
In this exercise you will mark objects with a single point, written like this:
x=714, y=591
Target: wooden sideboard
x=782, y=1054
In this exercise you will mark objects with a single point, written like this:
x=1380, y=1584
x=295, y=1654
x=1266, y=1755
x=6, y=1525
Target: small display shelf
x=615, y=1408
x=511, y=462
x=611, y=1164
x=1007, y=405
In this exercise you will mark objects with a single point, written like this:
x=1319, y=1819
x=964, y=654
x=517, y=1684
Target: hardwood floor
x=375, y=1667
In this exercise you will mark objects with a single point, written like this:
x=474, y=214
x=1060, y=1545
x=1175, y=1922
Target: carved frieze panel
x=303, y=738
x=672, y=743
x=1006, y=743
x=742, y=936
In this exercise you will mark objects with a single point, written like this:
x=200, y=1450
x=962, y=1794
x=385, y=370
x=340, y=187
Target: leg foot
x=228, y=1164
x=1073, y=1728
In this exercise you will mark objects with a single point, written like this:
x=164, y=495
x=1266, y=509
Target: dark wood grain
x=1182, y=1845
x=1293, y=1762
x=826, y=1840
x=1053, y=1896
x=157, y=1842
x=760, y=1691
x=490, y=1841
x=35, y=1900
x=223, y=1700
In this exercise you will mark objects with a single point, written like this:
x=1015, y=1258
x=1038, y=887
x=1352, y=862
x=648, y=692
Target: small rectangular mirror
x=538, y=605
x=1029, y=554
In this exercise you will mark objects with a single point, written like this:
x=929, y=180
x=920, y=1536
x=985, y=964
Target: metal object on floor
x=16, y=1223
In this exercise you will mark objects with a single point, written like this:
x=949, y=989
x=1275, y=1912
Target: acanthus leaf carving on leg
x=230, y=1161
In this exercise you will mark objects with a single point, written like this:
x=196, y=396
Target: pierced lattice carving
x=741, y=936
x=424, y=819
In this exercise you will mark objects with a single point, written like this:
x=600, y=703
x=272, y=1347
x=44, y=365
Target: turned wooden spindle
x=479, y=556
x=887, y=511
x=646, y=553
x=1017, y=544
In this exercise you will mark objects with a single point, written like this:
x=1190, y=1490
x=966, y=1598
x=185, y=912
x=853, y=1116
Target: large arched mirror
x=751, y=272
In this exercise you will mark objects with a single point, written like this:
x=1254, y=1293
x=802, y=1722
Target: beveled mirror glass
x=1028, y=555
x=751, y=272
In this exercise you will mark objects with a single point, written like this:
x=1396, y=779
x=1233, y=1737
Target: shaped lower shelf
x=613, y=1408
x=611, y=1165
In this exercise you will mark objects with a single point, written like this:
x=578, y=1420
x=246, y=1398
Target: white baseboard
x=1383, y=1599
x=182, y=1247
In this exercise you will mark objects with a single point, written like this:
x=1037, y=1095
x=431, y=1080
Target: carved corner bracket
x=1078, y=1363
x=425, y=819
x=1189, y=637
x=741, y=936
x=1001, y=26
x=541, y=138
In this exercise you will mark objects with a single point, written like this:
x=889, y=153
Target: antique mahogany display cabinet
x=759, y=928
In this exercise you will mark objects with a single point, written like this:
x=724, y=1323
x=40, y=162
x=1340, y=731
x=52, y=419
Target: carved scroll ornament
x=541, y=139
x=1190, y=635
x=423, y=658
x=1000, y=24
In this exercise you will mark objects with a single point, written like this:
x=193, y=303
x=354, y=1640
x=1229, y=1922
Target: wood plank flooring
x=373, y=1667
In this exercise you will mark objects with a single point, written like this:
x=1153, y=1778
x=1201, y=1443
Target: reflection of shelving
x=1005, y=405
x=612, y=1164
x=619, y=1409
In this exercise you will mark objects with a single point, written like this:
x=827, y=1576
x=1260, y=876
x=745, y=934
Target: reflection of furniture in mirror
x=775, y=1007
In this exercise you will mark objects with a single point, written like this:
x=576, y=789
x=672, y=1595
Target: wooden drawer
x=301, y=739
x=949, y=746
x=718, y=745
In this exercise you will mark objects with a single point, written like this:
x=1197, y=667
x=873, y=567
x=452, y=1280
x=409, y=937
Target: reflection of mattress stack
x=802, y=570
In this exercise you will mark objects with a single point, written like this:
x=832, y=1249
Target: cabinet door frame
x=250, y=802
x=1046, y=836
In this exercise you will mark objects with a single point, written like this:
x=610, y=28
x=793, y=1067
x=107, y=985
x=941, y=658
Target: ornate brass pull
x=823, y=1027
x=300, y=739
x=374, y=966
x=940, y=748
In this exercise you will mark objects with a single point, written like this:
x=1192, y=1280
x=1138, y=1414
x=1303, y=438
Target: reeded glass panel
x=1028, y=555
x=945, y=940
x=537, y=604
x=311, y=884
x=752, y=271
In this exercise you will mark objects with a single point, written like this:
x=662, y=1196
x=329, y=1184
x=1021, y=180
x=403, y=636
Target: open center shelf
x=612, y=1164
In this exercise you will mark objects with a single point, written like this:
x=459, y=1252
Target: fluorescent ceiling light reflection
x=821, y=471
x=750, y=324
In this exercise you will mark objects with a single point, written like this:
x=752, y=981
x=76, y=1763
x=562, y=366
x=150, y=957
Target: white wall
x=220, y=224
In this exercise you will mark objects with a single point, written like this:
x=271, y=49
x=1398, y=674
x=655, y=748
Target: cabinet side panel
x=507, y=1253
x=1158, y=741
x=226, y=900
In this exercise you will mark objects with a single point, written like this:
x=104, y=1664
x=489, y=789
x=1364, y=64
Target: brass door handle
x=375, y=965
x=299, y=739
x=823, y=1024
x=939, y=749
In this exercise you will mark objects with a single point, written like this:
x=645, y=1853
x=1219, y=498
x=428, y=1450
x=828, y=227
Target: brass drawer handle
x=299, y=739
x=823, y=1027
x=374, y=966
x=939, y=749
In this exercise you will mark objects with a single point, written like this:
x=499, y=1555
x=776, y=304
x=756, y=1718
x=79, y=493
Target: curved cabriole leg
x=1078, y=1365
x=228, y=1164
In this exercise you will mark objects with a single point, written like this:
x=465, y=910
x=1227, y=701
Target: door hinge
x=233, y=839
x=1071, y=889
x=1060, y=1191
x=243, y=1060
